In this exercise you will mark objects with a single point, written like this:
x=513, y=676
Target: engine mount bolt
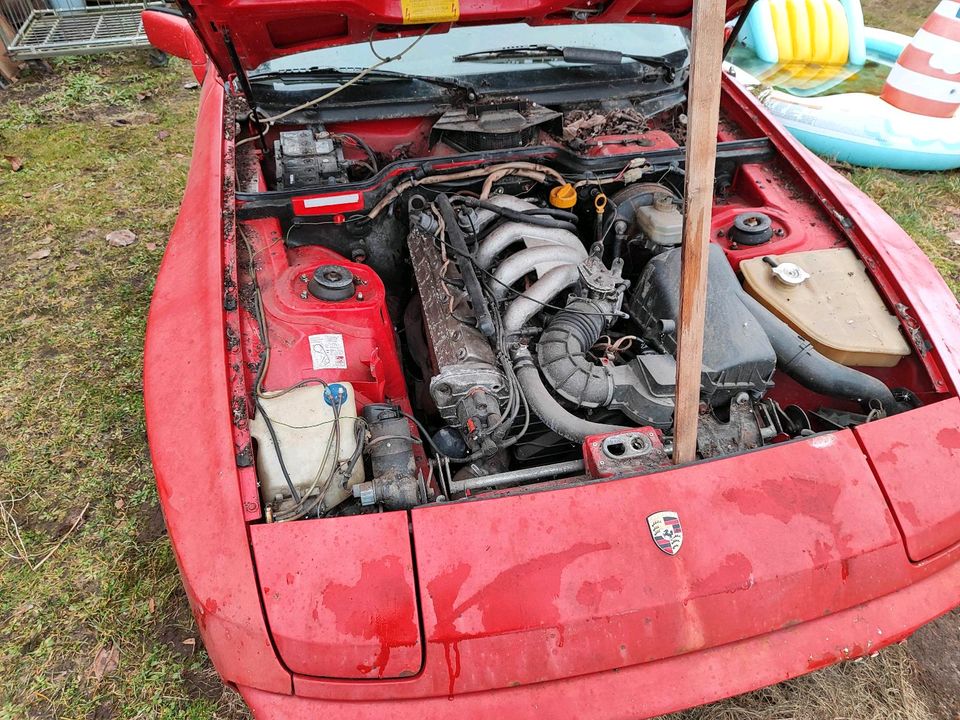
x=360, y=296
x=304, y=278
x=304, y=295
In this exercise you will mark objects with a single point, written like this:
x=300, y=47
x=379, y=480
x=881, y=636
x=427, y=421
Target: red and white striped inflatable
x=926, y=78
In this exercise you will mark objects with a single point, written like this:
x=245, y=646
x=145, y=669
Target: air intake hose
x=545, y=406
x=562, y=353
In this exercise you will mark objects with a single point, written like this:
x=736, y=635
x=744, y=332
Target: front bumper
x=558, y=604
x=666, y=685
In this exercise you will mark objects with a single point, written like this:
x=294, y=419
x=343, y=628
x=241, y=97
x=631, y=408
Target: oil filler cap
x=332, y=283
x=563, y=196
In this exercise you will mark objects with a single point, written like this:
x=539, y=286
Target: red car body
x=553, y=603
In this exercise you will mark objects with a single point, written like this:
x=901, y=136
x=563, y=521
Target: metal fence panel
x=72, y=29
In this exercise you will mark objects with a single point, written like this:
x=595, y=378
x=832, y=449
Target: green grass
x=106, y=146
x=926, y=205
x=903, y=16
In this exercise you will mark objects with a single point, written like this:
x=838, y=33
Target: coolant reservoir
x=303, y=422
x=826, y=296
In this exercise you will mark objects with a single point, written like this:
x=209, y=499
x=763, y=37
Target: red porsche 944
x=411, y=367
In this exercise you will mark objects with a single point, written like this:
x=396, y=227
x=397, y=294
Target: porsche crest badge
x=666, y=531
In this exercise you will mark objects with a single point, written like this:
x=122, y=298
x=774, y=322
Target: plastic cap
x=564, y=196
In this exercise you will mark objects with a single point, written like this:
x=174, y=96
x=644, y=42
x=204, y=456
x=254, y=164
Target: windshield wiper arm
x=670, y=62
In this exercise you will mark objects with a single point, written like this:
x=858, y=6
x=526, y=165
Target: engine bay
x=432, y=309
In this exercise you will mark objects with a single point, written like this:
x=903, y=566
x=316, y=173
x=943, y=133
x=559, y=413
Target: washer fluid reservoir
x=303, y=423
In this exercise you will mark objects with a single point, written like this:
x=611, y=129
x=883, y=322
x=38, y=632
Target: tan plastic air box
x=837, y=308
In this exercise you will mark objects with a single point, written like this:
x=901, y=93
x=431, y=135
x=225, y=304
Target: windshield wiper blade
x=307, y=74
x=670, y=62
x=525, y=52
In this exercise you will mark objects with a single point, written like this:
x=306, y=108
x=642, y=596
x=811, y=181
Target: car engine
x=534, y=297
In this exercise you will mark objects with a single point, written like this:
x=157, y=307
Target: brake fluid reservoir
x=661, y=221
x=303, y=424
x=827, y=296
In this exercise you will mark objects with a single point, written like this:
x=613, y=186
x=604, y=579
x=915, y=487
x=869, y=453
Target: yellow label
x=421, y=12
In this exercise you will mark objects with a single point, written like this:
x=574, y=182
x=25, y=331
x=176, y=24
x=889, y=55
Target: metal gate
x=36, y=30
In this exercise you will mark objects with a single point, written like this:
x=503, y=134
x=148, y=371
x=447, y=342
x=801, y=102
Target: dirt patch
x=180, y=640
x=32, y=644
x=151, y=523
x=58, y=527
x=935, y=648
x=103, y=711
x=204, y=684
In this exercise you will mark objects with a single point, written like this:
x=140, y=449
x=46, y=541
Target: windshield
x=434, y=55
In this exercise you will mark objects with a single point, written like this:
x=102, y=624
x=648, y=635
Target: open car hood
x=250, y=32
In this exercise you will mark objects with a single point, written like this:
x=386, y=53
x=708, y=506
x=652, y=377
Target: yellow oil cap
x=563, y=196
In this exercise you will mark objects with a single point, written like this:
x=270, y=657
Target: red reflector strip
x=327, y=204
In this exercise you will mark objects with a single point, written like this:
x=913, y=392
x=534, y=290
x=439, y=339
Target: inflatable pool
x=910, y=123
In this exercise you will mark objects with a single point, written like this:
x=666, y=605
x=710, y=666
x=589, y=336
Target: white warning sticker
x=327, y=352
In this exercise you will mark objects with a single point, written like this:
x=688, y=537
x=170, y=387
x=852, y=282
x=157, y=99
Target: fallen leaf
x=47, y=241
x=121, y=238
x=151, y=246
x=190, y=642
x=163, y=135
x=39, y=254
x=190, y=85
x=954, y=237
x=145, y=95
x=20, y=610
x=104, y=662
x=152, y=605
x=120, y=504
x=16, y=163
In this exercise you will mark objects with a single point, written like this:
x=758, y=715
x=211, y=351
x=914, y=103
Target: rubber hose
x=529, y=217
x=562, y=354
x=801, y=361
x=557, y=213
x=553, y=414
